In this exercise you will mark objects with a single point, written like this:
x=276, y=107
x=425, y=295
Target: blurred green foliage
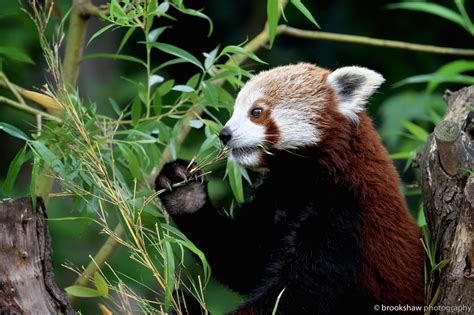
x=406, y=109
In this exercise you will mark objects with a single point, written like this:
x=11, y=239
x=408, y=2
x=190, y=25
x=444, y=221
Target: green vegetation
x=105, y=146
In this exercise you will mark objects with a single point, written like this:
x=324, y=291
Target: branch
x=28, y=109
x=363, y=40
x=75, y=42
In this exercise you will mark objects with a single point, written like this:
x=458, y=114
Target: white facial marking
x=248, y=159
x=245, y=133
x=353, y=86
x=296, y=129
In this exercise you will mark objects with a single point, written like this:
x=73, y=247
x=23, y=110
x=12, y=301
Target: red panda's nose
x=225, y=135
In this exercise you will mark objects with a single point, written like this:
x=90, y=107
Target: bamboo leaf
x=431, y=8
x=20, y=158
x=232, y=49
x=301, y=7
x=169, y=274
x=440, y=265
x=101, y=284
x=272, y=19
x=417, y=131
x=34, y=175
x=153, y=36
x=132, y=161
x=125, y=38
x=136, y=110
x=235, y=180
x=178, y=52
x=14, y=53
x=83, y=292
x=14, y=131
x=100, y=32
x=182, y=88
x=116, y=57
x=165, y=87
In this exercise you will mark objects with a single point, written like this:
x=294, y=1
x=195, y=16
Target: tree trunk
x=447, y=180
x=27, y=284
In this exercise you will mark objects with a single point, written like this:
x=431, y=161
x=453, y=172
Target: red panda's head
x=287, y=108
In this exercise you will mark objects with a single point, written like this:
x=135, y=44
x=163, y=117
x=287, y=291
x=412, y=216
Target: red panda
x=328, y=229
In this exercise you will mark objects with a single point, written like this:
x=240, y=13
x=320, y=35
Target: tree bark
x=27, y=284
x=447, y=180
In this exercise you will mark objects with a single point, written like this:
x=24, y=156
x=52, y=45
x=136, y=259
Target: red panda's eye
x=256, y=112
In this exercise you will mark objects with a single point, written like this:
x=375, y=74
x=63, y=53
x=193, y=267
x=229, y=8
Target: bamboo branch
x=28, y=109
x=256, y=43
x=363, y=40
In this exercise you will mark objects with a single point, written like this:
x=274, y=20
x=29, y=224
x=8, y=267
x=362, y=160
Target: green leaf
x=235, y=180
x=132, y=161
x=440, y=265
x=431, y=8
x=165, y=87
x=193, y=81
x=100, y=32
x=417, y=131
x=153, y=36
x=154, y=79
x=182, y=88
x=116, y=57
x=454, y=67
x=215, y=127
x=34, y=175
x=14, y=53
x=272, y=19
x=467, y=23
x=14, y=131
x=126, y=37
x=210, y=58
x=210, y=94
x=402, y=155
x=436, y=78
x=301, y=7
x=178, y=52
x=169, y=274
x=101, y=284
x=162, y=8
x=20, y=158
x=196, y=123
x=240, y=50
x=198, y=14
x=83, y=292
x=43, y=152
x=136, y=110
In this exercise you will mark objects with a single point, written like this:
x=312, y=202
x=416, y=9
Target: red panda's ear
x=353, y=86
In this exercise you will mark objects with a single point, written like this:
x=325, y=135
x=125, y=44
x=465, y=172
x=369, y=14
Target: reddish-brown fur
x=354, y=154
x=394, y=256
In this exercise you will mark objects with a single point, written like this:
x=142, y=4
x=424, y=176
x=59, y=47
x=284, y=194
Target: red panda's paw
x=183, y=189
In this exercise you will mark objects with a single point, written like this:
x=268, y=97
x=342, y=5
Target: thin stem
x=27, y=109
x=295, y=32
x=148, y=75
